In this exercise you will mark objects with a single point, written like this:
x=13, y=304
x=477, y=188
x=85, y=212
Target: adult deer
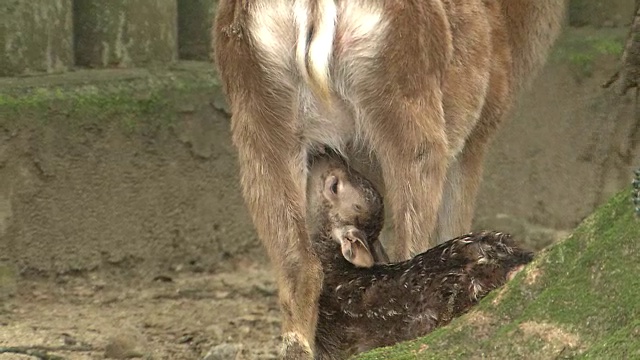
x=421, y=85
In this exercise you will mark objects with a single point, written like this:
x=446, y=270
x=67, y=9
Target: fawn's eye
x=334, y=186
x=357, y=207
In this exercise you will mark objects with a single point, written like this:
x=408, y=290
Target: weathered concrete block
x=601, y=13
x=35, y=36
x=121, y=33
x=195, y=19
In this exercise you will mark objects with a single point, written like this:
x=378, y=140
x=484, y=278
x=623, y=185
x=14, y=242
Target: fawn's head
x=344, y=207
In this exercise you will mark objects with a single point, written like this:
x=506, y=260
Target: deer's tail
x=316, y=27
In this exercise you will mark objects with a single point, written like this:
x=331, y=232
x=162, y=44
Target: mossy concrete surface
x=121, y=33
x=129, y=170
x=605, y=13
x=195, y=20
x=105, y=95
x=580, y=298
x=581, y=49
x=35, y=36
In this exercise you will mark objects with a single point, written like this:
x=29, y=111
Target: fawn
x=365, y=303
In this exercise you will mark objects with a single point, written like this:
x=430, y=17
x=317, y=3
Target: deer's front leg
x=273, y=179
x=459, y=194
x=465, y=172
x=400, y=99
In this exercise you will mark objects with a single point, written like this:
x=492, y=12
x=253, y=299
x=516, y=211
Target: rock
x=219, y=295
x=268, y=289
x=8, y=281
x=187, y=338
x=224, y=351
x=214, y=332
x=69, y=340
x=220, y=103
x=123, y=346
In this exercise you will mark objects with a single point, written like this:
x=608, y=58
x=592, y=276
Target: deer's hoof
x=295, y=347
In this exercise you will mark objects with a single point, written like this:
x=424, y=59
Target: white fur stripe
x=321, y=47
x=301, y=17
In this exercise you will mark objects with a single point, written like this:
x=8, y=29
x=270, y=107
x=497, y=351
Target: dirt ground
x=178, y=316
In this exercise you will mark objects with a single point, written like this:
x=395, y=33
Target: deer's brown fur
x=421, y=85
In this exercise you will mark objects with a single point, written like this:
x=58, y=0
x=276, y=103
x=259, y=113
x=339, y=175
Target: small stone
x=69, y=340
x=245, y=330
x=163, y=278
x=99, y=285
x=8, y=281
x=122, y=347
x=224, y=351
x=214, y=331
x=219, y=102
x=266, y=289
x=219, y=295
x=185, y=339
x=178, y=267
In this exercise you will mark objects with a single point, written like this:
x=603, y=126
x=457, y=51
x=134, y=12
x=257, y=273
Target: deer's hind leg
x=273, y=179
x=273, y=170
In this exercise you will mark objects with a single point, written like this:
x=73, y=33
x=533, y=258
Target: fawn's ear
x=354, y=247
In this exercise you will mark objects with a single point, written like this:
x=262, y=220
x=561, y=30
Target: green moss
x=622, y=343
x=580, y=48
x=128, y=98
x=580, y=297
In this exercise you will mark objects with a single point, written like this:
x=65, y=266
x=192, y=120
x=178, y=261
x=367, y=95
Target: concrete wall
x=195, y=19
x=124, y=33
x=601, y=13
x=39, y=35
x=53, y=36
x=35, y=36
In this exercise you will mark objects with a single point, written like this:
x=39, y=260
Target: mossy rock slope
x=580, y=298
